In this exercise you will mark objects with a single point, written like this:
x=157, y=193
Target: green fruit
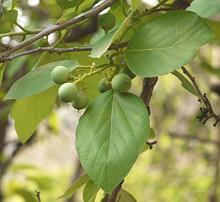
x=81, y=101
x=60, y=74
x=104, y=86
x=107, y=21
x=128, y=72
x=121, y=82
x=67, y=92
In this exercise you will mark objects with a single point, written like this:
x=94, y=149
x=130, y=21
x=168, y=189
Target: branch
x=206, y=111
x=53, y=28
x=146, y=94
x=18, y=147
x=14, y=34
x=58, y=50
x=27, y=31
x=151, y=144
x=113, y=196
x=38, y=196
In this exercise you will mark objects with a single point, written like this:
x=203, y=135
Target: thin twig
x=38, y=196
x=151, y=144
x=18, y=147
x=146, y=94
x=113, y=196
x=58, y=51
x=27, y=31
x=21, y=34
x=153, y=9
x=206, y=111
x=53, y=28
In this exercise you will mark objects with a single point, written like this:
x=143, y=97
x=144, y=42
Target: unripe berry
x=127, y=71
x=67, y=92
x=121, y=82
x=60, y=74
x=104, y=86
x=81, y=101
x=107, y=21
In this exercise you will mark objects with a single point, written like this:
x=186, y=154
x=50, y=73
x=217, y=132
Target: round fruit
x=107, y=21
x=121, y=82
x=128, y=72
x=104, y=86
x=81, y=101
x=67, y=92
x=60, y=74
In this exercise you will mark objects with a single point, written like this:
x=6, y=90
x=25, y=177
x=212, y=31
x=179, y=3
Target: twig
x=113, y=196
x=58, y=51
x=153, y=9
x=53, y=28
x=151, y=144
x=18, y=147
x=27, y=31
x=206, y=111
x=148, y=86
x=38, y=196
x=1, y=5
x=14, y=34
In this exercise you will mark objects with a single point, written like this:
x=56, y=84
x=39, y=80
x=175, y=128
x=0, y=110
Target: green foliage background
x=180, y=167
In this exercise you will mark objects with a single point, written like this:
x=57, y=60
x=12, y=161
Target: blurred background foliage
x=182, y=166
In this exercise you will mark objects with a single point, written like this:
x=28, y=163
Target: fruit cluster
x=69, y=93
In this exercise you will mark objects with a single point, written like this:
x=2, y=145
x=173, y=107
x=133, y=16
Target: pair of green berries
x=68, y=91
x=121, y=82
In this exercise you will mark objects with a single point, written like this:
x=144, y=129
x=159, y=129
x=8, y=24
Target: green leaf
x=205, y=8
x=9, y=3
x=135, y=4
x=73, y=11
x=101, y=46
x=2, y=69
x=64, y=4
x=166, y=43
x=90, y=191
x=9, y=16
x=29, y=112
x=14, y=66
x=124, y=196
x=152, y=134
x=5, y=27
x=215, y=27
x=185, y=83
x=37, y=80
x=138, y=4
x=76, y=185
x=27, y=195
x=110, y=136
x=85, y=5
x=90, y=85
